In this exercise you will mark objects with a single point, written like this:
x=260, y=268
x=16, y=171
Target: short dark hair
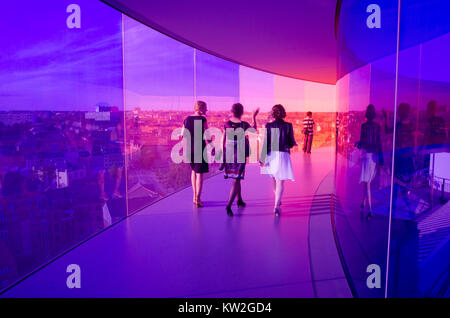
x=370, y=112
x=309, y=114
x=237, y=110
x=200, y=106
x=278, y=112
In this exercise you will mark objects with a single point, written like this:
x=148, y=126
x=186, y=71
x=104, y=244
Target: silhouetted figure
x=275, y=157
x=107, y=154
x=235, y=151
x=371, y=156
x=404, y=156
x=435, y=133
x=196, y=145
x=308, y=131
x=116, y=151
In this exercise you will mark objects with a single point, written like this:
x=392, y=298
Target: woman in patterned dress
x=235, y=152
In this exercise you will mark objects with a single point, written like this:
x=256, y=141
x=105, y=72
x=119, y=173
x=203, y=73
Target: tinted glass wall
x=420, y=232
x=61, y=129
x=394, y=154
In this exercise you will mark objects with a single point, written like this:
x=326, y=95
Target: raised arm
x=207, y=136
x=265, y=146
x=255, y=113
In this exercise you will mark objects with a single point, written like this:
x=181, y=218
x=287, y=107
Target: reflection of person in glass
x=404, y=156
x=107, y=155
x=435, y=135
x=236, y=146
x=196, y=144
x=116, y=150
x=371, y=155
x=276, y=161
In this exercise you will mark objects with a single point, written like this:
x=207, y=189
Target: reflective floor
x=171, y=249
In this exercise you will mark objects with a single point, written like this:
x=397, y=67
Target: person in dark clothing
x=308, y=131
x=371, y=156
x=404, y=168
x=235, y=152
x=107, y=153
x=435, y=133
x=275, y=157
x=194, y=127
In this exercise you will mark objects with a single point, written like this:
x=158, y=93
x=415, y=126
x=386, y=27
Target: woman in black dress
x=196, y=145
x=235, y=152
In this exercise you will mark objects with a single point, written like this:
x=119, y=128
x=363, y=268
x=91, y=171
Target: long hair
x=370, y=112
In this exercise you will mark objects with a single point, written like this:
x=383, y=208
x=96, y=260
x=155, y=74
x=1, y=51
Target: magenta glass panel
x=159, y=91
x=420, y=232
x=406, y=78
x=216, y=81
x=366, y=69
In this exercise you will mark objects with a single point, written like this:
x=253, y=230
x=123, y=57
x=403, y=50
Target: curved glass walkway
x=171, y=249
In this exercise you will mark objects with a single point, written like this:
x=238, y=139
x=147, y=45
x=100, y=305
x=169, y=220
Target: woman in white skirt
x=275, y=158
x=371, y=155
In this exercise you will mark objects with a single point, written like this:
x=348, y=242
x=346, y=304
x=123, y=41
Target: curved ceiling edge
x=116, y=5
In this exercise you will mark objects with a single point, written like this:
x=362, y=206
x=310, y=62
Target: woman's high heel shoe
x=198, y=204
x=241, y=203
x=277, y=211
x=229, y=211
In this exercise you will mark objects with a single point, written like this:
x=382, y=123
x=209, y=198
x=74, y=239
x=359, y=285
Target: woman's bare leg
x=239, y=193
x=369, y=197
x=363, y=204
x=101, y=185
x=233, y=191
x=199, y=181
x=194, y=186
x=278, y=192
x=118, y=182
